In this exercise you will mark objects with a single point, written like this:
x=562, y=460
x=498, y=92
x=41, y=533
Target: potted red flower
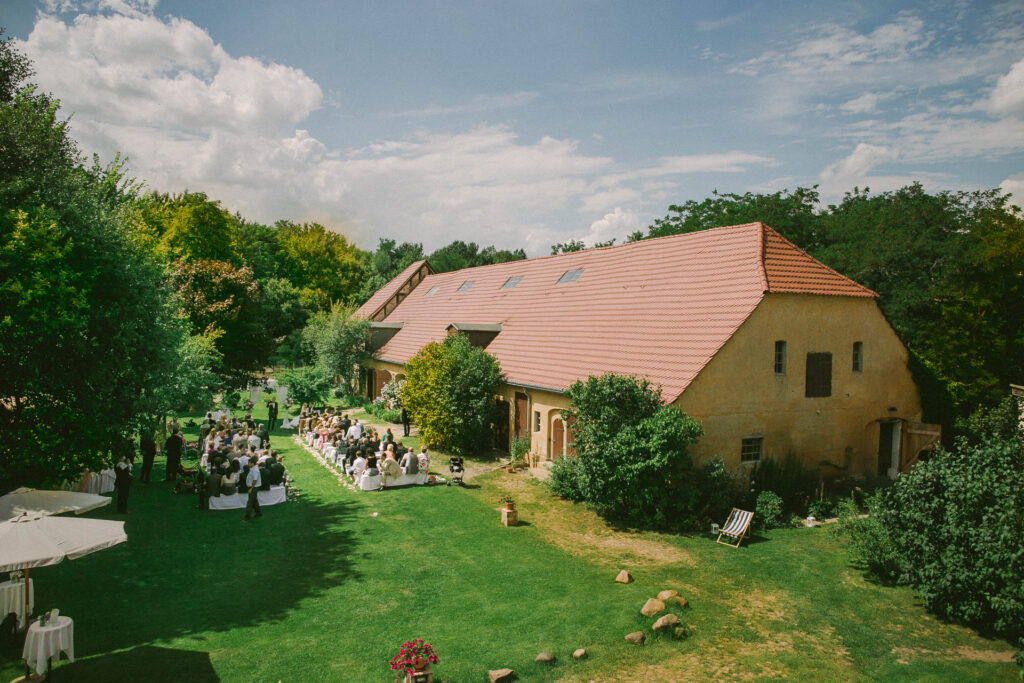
x=413, y=656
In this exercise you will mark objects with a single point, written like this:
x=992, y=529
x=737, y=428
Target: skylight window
x=466, y=286
x=511, y=282
x=570, y=276
x=432, y=291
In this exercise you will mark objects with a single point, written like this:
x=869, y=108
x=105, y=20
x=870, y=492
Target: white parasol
x=39, y=541
x=35, y=503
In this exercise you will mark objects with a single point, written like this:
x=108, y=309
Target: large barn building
x=774, y=352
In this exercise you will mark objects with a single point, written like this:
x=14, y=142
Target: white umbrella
x=34, y=502
x=39, y=541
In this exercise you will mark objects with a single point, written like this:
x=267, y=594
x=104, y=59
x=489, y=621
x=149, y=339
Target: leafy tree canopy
x=339, y=342
x=459, y=254
x=449, y=392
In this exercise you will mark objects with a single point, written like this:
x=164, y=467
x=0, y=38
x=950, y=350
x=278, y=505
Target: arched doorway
x=557, y=445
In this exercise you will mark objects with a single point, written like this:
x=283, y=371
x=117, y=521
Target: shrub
x=449, y=393
x=788, y=479
x=952, y=529
x=307, y=385
x=768, y=511
x=634, y=464
x=868, y=539
x=391, y=394
x=564, y=479
x=718, y=493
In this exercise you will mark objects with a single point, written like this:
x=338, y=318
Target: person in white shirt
x=252, y=482
x=358, y=465
x=355, y=431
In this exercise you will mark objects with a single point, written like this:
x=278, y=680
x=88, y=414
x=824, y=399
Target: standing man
x=272, y=413
x=147, y=446
x=123, y=483
x=174, y=446
x=405, y=421
x=252, y=482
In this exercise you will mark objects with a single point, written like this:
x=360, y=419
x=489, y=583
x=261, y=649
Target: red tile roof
x=659, y=308
x=382, y=295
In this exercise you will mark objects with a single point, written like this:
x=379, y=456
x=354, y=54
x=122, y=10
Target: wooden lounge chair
x=737, y=526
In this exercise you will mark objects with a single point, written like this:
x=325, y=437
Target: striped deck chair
x=737, y=526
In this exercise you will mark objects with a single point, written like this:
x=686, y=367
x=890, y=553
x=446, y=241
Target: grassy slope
x=321, y=589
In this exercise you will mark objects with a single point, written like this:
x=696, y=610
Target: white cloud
x=1008, y=96
x=618, y=224
x=865, y=104
x=480, y=103
x=1014, y=185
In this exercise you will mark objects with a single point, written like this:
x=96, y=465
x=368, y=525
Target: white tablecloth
x=48, y=641
x=275, y=495
x=12, y=599
x=99, y=482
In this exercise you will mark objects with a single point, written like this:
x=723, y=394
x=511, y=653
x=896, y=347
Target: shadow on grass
x=144, y=663
x=188, y=571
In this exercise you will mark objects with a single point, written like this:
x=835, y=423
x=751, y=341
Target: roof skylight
x=433, y=290
x=511, y=282
x=465, y=286
x=570, y=276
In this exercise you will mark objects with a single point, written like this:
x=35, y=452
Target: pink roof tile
x=659, y=308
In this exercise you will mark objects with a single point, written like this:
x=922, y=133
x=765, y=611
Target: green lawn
x=327, y=587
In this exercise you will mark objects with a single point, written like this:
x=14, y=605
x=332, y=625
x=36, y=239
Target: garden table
x=12, y=599
x=45, y=642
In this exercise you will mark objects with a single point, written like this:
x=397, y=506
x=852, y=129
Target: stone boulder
x=681, y=601
x=652, y=607
x=500, y=675
x=680, y=632
x=666, y=622
x=667, y=595
x=579, y=654
x=545, y=658
x=636, y=638
x=624, y=577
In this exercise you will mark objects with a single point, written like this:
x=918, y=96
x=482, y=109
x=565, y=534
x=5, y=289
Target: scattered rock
x=682, y=602
x=545, y=658
x=579, y=654
x=500, y=675
x=680, y=632
x=624, y=577
x=667, y=594
x=636, y=638
x=666, y=622
x=652, y=607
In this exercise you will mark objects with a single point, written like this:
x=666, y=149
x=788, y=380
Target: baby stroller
x=189, y=478
x=456, y=469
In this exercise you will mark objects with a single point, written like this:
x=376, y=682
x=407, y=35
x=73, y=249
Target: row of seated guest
x=217, y=433
x=227, y=474
x=386, y=464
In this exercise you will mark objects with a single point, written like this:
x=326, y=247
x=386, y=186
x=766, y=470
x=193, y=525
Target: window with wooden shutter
x=819, y=375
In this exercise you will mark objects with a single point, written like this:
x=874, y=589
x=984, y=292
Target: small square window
x=780, y=358
x=858, y=357
x=750, y=448
x=570, y=276
x=511, y=282
x=432, y=291
x=466, y=286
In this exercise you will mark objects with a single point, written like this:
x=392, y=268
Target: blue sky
x=522, y=124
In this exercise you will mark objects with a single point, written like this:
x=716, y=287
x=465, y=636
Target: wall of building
x=739, y=394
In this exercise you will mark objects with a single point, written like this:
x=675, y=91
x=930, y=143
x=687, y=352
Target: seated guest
x=214, y=483
x=371, y=464
x=253, y=438
x=264, y=479
x=229, y=483
x=410, y=463
x=275, y=472
x=424, y=459
x=358, y=465
x=400, y=450
x=390, y=469
x=356, y=430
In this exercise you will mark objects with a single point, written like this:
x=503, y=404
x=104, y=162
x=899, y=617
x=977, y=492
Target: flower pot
x=510, y=470
x=510, y=506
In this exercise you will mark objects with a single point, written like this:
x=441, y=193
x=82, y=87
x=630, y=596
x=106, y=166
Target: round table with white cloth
x=12, y=599
x=44, y=642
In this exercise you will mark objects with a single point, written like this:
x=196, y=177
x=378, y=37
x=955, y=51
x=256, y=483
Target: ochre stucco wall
x=738, y=393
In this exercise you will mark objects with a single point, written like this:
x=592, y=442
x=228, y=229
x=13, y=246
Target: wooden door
x=501, y=426
x=557, y=438
x=522, y=415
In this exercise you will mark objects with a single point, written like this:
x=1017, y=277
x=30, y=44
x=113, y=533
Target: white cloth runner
x=12, y=599
x=275, y=495
x=48, y=641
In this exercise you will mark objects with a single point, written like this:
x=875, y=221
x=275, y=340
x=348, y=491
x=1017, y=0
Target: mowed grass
x=325, y=588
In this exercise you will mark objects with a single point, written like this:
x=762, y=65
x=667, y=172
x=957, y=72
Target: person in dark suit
x=264, y=436
x=147, y=446
x=405, y=422
x=272, y=413
x=123, y=483
x=174, y=446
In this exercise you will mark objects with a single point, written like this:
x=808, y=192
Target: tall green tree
x=321, y=263
x=198, y=229
x=84, y=313
x=459, y=254
x=386, y=262
x=449, y=392
x=339, y=341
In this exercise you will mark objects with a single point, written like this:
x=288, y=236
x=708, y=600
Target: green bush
x=768, y=511
x=380, y=409
x=718, y=493
x=307, y=385
x=634, y=465
x=564, y=479
x=788, y=479
x=952, y=528
x=868, y=539
x=449, y=393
